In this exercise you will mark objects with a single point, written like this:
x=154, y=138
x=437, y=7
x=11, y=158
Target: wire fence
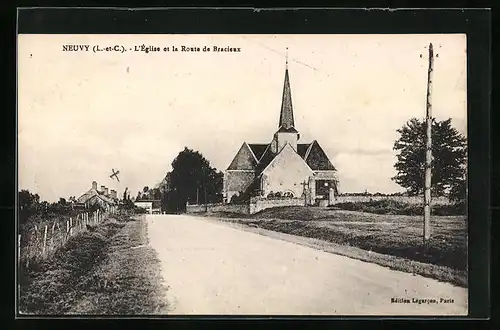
x=41, y=240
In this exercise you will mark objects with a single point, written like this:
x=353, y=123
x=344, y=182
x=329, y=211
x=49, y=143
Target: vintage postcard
x=176, y=174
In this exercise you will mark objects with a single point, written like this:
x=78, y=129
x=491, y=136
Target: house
x=103, y=197
x=282, y=167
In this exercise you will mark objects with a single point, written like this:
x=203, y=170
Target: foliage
x=96, y=273
x=449, y=151
x=401, y=208
x=149, y=194
x=127, y=205
x=29, y=204
x=238, y=198
x=458, y=192
x=193, y=180
x=126, y=194
x=32, y=209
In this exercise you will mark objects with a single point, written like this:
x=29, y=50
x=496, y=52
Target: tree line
x=31, y=208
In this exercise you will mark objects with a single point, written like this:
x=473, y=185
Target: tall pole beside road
x=428, y=153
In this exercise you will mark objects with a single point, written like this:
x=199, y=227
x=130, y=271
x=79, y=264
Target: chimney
x=106, y=191
x=103, y=188
x=94, y=185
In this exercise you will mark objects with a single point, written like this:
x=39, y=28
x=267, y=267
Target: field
x=398, y=238
x=107, y=271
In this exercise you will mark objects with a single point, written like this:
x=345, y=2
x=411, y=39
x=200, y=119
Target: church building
x=284, y=167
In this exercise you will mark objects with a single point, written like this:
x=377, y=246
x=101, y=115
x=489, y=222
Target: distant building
x=282, y=167
x=107, y=199
x=151, y=206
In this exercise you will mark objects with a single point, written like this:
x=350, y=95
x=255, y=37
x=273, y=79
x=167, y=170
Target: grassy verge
x=393, y=241
x=105, y=272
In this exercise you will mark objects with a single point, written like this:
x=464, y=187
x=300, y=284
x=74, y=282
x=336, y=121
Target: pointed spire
x=286, y=62
x=286, y=115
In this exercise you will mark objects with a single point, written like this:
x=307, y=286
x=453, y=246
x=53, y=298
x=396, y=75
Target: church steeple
x=286, y=115
x=286, y=133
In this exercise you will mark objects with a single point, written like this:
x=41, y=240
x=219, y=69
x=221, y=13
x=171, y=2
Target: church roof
x=258, y=149
x=302, y=149
x=317, y=159
x=244, y=160
x=267, y=157
x=286, y=115
x=287, y=130
x=312, y=153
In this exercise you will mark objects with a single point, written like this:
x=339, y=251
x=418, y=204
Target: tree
x=28, y=204
x=449, y=151
x=26, y=200
x=193, y=178
x=458, y=192
x=155, y=193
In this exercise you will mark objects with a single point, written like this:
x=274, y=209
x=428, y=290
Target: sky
x=82, y=114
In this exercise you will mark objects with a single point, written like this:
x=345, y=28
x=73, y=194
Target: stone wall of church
x=286, y=173
x=284, y=138
x=258, y=204
x=230, y=208
x=237, y=182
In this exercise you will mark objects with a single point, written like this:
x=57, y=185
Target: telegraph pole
x=428, y=153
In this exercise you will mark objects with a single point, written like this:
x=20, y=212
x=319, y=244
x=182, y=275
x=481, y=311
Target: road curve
x=212, y=268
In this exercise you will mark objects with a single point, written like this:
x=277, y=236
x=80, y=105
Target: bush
x=388, y=206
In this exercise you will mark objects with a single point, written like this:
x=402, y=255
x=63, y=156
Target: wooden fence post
x=52, y=236
x=44, y=240
x=37, y=246
x=67, y=229
x=59, y=228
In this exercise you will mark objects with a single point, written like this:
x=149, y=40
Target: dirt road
x=213, y=268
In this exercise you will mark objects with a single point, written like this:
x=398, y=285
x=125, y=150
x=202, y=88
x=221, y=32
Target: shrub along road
x=107, y=271
x=214, y=268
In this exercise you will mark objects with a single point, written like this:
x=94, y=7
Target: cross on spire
x=286, y=58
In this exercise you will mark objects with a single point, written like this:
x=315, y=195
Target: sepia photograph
x=242, y=174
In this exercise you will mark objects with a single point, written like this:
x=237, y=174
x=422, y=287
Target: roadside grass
x=395, y=240
x=105, y=272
